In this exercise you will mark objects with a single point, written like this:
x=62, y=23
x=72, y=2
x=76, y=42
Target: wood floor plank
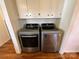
x=7, y=52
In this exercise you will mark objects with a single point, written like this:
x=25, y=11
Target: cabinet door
x=22, y=8
x=33, y=8
x=44, y=8
x=56, y=7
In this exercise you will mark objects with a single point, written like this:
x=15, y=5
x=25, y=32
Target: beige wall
x=4, y=35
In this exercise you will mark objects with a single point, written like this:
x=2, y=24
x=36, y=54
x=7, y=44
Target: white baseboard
x=4, y=42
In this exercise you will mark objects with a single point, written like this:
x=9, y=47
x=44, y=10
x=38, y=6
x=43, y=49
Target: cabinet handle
x=48, y=14
x=51, y=14
x=39, y=14
x=26, y=15
x=28, y=36
x=30, y=15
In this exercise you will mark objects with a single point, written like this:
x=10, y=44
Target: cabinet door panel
x=56, y=7
x=22, y=7
x=44, y=7
x=33, y=7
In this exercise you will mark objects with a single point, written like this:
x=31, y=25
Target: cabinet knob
x=48, y=15
x=30, y=15
x=39, y=14
x=51, y=14
x=26, y=15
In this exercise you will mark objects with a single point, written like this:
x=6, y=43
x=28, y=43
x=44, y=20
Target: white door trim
x=9, y=26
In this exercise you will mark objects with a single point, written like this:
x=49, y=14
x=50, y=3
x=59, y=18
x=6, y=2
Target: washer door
x=29, y=41
x=49, y=42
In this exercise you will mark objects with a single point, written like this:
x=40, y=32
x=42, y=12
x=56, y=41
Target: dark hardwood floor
x=7, y=52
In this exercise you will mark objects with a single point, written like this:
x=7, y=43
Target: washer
x=51, y=38
x=30, y=38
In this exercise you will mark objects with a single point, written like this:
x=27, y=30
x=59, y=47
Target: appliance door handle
x=29, y=36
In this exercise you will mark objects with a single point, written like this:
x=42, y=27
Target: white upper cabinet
x=56, y=7
x=44, y=8
x=22, y=8
x=33, y=8
x=40, y=8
